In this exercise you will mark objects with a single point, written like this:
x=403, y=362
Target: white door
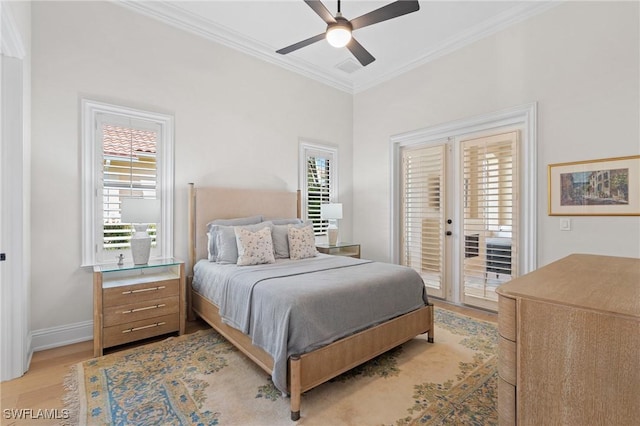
x=423, y=214
x=458, y=215
x=489, y=225
x=14, y=289
x=469, y=202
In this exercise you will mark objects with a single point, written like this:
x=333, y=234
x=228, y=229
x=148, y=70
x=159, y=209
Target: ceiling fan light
x=338, y=35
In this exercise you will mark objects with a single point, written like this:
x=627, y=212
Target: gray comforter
x=294, y=307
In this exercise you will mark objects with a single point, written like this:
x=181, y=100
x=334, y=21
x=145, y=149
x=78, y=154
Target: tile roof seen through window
x=123, y=141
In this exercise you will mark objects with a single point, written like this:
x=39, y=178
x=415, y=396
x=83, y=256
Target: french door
x=423, y=213
x=459, y=214
x=488, y=205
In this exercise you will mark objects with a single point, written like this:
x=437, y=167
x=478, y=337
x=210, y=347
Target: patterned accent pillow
x=254, y=247
x=280, y=236
x=302, y=242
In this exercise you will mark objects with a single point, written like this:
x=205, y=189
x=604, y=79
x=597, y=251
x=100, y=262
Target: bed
x=297, y=359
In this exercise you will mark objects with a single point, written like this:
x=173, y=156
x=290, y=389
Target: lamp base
x=332, y=234
x=140, y=245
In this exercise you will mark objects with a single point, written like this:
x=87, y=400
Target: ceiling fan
x=339, y=29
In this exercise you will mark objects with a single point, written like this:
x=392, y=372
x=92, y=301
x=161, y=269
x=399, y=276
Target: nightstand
x=133, y=302
x=340, y=249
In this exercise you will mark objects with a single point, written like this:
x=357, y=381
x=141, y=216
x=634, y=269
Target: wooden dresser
x=569, y=346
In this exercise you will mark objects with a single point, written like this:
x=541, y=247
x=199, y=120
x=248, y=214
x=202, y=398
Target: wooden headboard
x=209, y=203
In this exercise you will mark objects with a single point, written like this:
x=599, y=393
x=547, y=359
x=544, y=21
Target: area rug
x=201, y=379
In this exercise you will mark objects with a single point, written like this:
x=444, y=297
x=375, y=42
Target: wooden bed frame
x=311, y=369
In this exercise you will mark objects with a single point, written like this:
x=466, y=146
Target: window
x=126, y=153
x=318, y=182
x=129, y=169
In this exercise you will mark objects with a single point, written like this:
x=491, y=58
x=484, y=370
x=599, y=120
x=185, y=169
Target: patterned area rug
x=201, y=379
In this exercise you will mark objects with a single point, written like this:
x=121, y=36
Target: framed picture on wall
x=605, y=187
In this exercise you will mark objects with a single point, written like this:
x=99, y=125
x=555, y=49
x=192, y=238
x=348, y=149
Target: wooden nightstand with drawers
x=133, y=302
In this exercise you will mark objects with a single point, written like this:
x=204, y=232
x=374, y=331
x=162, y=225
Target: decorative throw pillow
x=280, y=236
x=302, y=242
x=254, y=247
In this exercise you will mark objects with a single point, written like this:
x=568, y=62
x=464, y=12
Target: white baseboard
x=48, y=338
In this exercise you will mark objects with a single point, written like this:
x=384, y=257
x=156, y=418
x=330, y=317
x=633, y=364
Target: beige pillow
x=254, y=247
x=302, y=242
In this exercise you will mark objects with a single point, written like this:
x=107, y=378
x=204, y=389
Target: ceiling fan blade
x=361, y=54
x=321, y=10
x=300, y=44
x=392, y=10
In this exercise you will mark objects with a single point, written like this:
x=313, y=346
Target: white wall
x=579, y=61
x=238, y=121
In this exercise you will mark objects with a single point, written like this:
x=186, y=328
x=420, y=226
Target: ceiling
x=259, y=28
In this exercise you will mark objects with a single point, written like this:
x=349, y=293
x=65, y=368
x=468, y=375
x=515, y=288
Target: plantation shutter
x=422, y=215
x=490, y=222
x=129, y=169
x=319, y=176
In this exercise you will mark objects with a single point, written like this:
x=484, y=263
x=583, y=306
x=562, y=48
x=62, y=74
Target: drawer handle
x=144, y=289
x=157, y=324
x=130, y=311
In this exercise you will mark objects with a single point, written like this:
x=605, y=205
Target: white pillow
x=254, y=247
x=302, y=242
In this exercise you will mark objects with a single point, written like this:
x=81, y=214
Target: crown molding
x=521, y=12
x=195, y=24
x=187, y=21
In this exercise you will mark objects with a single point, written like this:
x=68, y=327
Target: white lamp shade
x=139, y=210
x=331, y=211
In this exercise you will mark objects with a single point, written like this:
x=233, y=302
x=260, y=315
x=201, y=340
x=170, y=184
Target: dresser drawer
x=507, y=360
x=507, y=317
x=140, y=310
x=136, y=330
x=127, y=294
x=506, y=403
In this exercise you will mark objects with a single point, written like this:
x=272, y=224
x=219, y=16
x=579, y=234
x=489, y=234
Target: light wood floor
x=42, y=386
